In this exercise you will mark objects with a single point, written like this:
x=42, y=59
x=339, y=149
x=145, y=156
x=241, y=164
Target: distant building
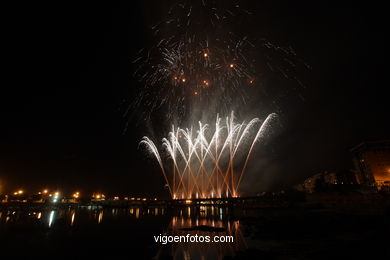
x=37, y=198
x=372, y=163
x=324, y=180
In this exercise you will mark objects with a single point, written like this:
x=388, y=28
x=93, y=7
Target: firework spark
x=208, y=164
x=203, y=57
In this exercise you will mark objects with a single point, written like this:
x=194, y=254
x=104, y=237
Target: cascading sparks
x=208, y=164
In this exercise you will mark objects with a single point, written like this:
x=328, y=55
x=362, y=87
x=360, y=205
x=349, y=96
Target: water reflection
x=180, y=222
x=202, y=221
x=51, y=216
x=70, y=216
x=100, y=217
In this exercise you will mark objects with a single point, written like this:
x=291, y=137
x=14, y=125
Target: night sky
x=67, y=80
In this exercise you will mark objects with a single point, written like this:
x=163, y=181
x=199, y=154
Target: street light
x=76, y=195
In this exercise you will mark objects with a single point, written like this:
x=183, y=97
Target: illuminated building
x=372, y=163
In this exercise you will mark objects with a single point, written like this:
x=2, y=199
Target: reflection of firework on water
x=203, y=58
x=208, y=164
x=205, y=250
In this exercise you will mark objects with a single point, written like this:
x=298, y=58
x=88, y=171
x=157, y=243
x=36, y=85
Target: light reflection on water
x=186, y=217
x=100, y=216
x=204, y=221
x=72, y=217
x=51, y=216
x=97, y=215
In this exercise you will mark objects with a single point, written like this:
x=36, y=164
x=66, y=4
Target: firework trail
x=202, y=57
x=205, y=163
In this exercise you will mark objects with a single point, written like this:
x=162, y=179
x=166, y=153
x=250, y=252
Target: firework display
x=208, y=163
x=202, y=56
x=204, y=63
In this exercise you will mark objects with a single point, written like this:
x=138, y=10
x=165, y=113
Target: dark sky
x=67, y=71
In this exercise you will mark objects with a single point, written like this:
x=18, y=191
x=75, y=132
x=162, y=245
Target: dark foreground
x=354, y=232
